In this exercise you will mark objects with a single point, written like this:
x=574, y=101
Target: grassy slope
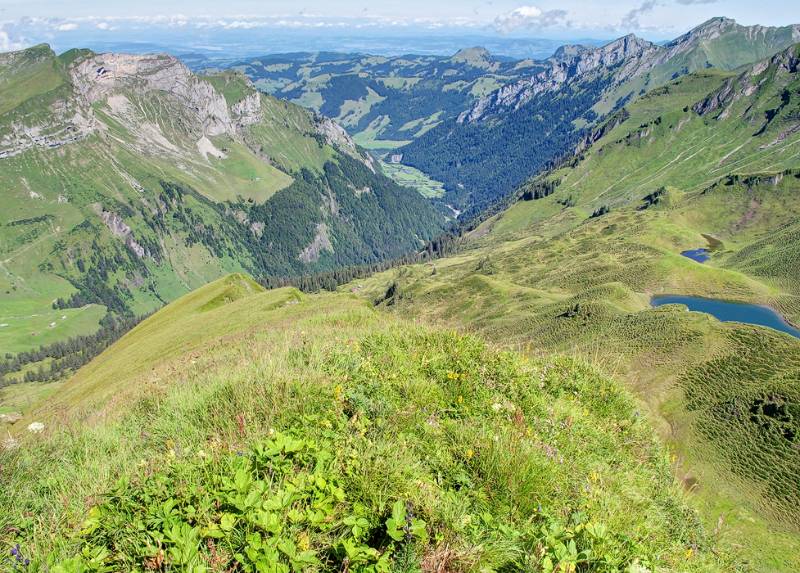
x=506, y=460
x=547, y=278
x=414, y=178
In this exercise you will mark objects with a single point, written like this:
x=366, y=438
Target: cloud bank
x=530, y=17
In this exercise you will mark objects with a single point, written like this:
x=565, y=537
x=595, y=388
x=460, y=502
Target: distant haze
x=249, y=27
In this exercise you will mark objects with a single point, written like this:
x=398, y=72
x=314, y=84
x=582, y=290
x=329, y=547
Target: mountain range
x=129, y=180
x=479, y=124
x=596, y=368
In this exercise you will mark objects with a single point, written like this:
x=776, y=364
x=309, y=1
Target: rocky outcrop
x=119, y=229
x=631, y=57
x=247, y=111
x=67, y=123
x=624, y=58
x=25, y=126
x=321, y=242
x=598, y=133
x=781, y=68
x=336, y=136
x=99, y=76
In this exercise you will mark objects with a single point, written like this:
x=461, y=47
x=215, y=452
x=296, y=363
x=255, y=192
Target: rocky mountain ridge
x=628, y=58
x=124, y=88
x=628, y=52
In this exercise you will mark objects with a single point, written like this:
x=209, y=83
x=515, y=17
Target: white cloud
x=530, y=17
x=631, y=20
x=67, y=27
x=104, y=26
x=8, y=44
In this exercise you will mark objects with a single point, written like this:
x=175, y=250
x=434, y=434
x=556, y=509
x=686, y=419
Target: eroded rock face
x=120, y=229
x=335, y=135
x=66, y=123
x=321, y=242
x=103, y=75
x=247, y=111
x=784, y=65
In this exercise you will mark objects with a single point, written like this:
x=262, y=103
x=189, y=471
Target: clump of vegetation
x=655, y=198
x=539, y=189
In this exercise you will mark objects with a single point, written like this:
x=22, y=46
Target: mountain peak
x=625, y=47
x=476, y=56
x=568, y=51
x=37, y=52
x=709, y=29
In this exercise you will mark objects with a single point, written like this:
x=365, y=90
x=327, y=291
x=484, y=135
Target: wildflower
x=303, y=541
x=36, y=428
x=460, y=399
x=689, y=553
x=469, y=454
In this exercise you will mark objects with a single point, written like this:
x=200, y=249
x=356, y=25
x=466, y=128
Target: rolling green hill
x=420, y=447
x=128, y=181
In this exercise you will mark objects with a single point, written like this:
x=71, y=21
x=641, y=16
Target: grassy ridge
x=497, y=463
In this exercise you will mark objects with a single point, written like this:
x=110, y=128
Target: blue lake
x=730, y=311
x=699, y=255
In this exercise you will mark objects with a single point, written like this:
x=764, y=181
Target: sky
x=84, y=22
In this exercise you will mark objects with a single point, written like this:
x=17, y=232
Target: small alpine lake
x=730, y=311
x=699, y=255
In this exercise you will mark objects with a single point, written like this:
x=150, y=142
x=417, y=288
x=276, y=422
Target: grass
x=25, y=396
x=368, y=138
x=35, y=72
x=414, y=178
x=43, y=327
x=421, y=447
x=244, y=176
x=232, y=85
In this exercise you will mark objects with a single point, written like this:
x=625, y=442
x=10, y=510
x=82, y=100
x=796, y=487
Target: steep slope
x=521, y=127
x=421, y=450
x=128, y=180
x=710, y=160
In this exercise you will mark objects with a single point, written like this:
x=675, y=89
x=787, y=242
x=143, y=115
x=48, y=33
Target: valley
x=547, y=318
